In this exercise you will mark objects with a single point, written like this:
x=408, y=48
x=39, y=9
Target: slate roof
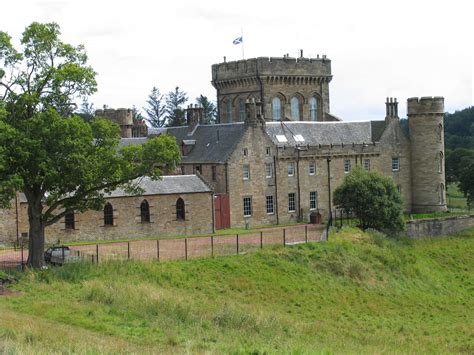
x=173, y=184
x=213, y=143
x=324, y=133
x=132, y=141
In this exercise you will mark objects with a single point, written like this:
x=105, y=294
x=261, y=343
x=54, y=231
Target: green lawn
x=357, y=293
x=455, y=198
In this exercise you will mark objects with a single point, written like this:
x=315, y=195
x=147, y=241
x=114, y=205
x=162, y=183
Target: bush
x=373, y=198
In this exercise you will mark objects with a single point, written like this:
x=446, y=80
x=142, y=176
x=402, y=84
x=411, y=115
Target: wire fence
x=173, y=249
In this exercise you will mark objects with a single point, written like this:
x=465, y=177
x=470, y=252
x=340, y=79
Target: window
x=108, y=215
x=367, y=164
x=247, y=206
x=69, y=220
x=347, y=166
x=295, y=108
x=246, y=152
x=313, y=200
x=441, y=194
x=312, y=168
x=298, y=138
x=180, y=211
x=214, y=173
x=291, y=202
x=270, y=207
x=281, y=138
x=229, y=111
x=241, y=110
x=268, y=170
x=197, y=169
x=246, y=171
x=440, y=132
x=145, y=211
x=440, y=162
x=395, y=164
x=276, y=109
x=291, y=169
x=183, y=172
x=313, y=109
x=268, y=151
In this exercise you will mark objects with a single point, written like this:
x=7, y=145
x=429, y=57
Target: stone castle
x=275, y=156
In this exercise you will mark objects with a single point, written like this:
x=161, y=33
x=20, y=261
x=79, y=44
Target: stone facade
x=437, y=227
x=129, y=127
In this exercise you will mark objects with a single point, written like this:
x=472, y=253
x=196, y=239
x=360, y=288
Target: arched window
x=440, y=162
x=108, y=214
x=229, y=111
x=313, y=109
x=145, y=211
x=180, y=212
x=241, y=110
x=441, y=194
x=295, y=108
x=276, y=109
x=440, y=132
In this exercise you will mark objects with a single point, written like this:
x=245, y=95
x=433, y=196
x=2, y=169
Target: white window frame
x=246, y=171
x=312, y=168
x=396, y=164
x=291, y=202
x=291, y=169
x=268, y=170
x=347, y=166
x=270, y=205
x=247, y=201
x=313, y=200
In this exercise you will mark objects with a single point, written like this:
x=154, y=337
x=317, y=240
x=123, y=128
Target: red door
x=222, y=211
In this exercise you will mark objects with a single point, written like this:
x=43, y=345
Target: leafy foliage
x=156, y=109
x=174, y=110
x=86, y=110
x=459, y=129
x=373, y=198
x=209, y=109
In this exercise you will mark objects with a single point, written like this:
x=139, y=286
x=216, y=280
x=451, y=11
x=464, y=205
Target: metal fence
x=178, y=248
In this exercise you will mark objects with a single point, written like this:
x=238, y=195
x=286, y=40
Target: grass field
x=455, y=198
x=356, y=293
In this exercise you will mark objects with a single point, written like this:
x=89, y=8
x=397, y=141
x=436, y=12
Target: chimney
x=192, y=118
x=391, y=108
x=253, y=113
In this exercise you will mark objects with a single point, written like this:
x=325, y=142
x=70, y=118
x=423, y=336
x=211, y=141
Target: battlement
x=425, y=105
x=121, y=116
x=272, y=66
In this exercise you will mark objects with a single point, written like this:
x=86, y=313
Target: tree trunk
x=36, y=235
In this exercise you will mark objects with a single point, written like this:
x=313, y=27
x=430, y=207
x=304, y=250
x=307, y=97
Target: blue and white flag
x=238, y=40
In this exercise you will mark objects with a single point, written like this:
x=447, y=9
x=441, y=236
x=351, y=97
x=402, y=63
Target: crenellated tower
x=425, y=120
x=121, y=116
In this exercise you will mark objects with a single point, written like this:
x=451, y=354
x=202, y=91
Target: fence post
x=261, y=239
x=237, y=242
x=341, y=217
x=97, y=252
x=22, y=259
x=306, y=234
x=185, y=248
x=284, y=237
x=128, y=250
x=92, y=258
x=158, y=249
x=212, y=245
x=62, y=252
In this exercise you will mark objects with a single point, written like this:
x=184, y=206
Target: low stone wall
x=435, y=227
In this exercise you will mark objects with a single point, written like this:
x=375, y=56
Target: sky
x=378, y=49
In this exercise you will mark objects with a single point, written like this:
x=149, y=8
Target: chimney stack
x=391, y=108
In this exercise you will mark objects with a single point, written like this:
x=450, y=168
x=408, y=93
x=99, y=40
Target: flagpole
x=242, y=36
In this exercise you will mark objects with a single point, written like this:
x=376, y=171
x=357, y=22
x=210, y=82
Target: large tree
x=174, y=107
x=209, y=109
x=61, y=163
x=373, y=198
x=155, y=109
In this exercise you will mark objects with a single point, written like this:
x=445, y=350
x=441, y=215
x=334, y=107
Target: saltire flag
x=238, y=40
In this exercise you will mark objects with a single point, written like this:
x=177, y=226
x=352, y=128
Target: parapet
x=425, y=105
x=273, y=66
x=121, y=116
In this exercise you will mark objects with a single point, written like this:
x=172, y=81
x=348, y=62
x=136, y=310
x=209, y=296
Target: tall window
x=270, y=206
x=441, y=194
x=313, y=200
x=145, y=211
x=367, y=164
x=440, y=132
x=291, y=169
x=291, y=202
x=313, y=109
x=440, y=162
x=276, y=109
x=247, y=206
x=108, y=215
x=395, y=164
x=347, y=166
x=214, y=173
x=268, y=151
x=295, y=108
x=268, y=170
x=69, y=222
x=180, y=211
x=229, y=111
x=312, y=168
x=246, y=171
x=241, y=110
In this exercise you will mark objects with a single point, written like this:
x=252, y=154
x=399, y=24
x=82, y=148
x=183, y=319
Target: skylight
x=298, y=138
x=281, y=138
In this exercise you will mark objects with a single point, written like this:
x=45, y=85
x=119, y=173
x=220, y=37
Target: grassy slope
x=356, y=293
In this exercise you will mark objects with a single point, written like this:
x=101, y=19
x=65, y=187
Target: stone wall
x=438, y=226
x=127, y=221
x=219, y=184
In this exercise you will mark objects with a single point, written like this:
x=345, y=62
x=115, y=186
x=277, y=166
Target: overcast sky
x=396, y=48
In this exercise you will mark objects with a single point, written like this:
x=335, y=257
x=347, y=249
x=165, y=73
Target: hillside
x=356, y=293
